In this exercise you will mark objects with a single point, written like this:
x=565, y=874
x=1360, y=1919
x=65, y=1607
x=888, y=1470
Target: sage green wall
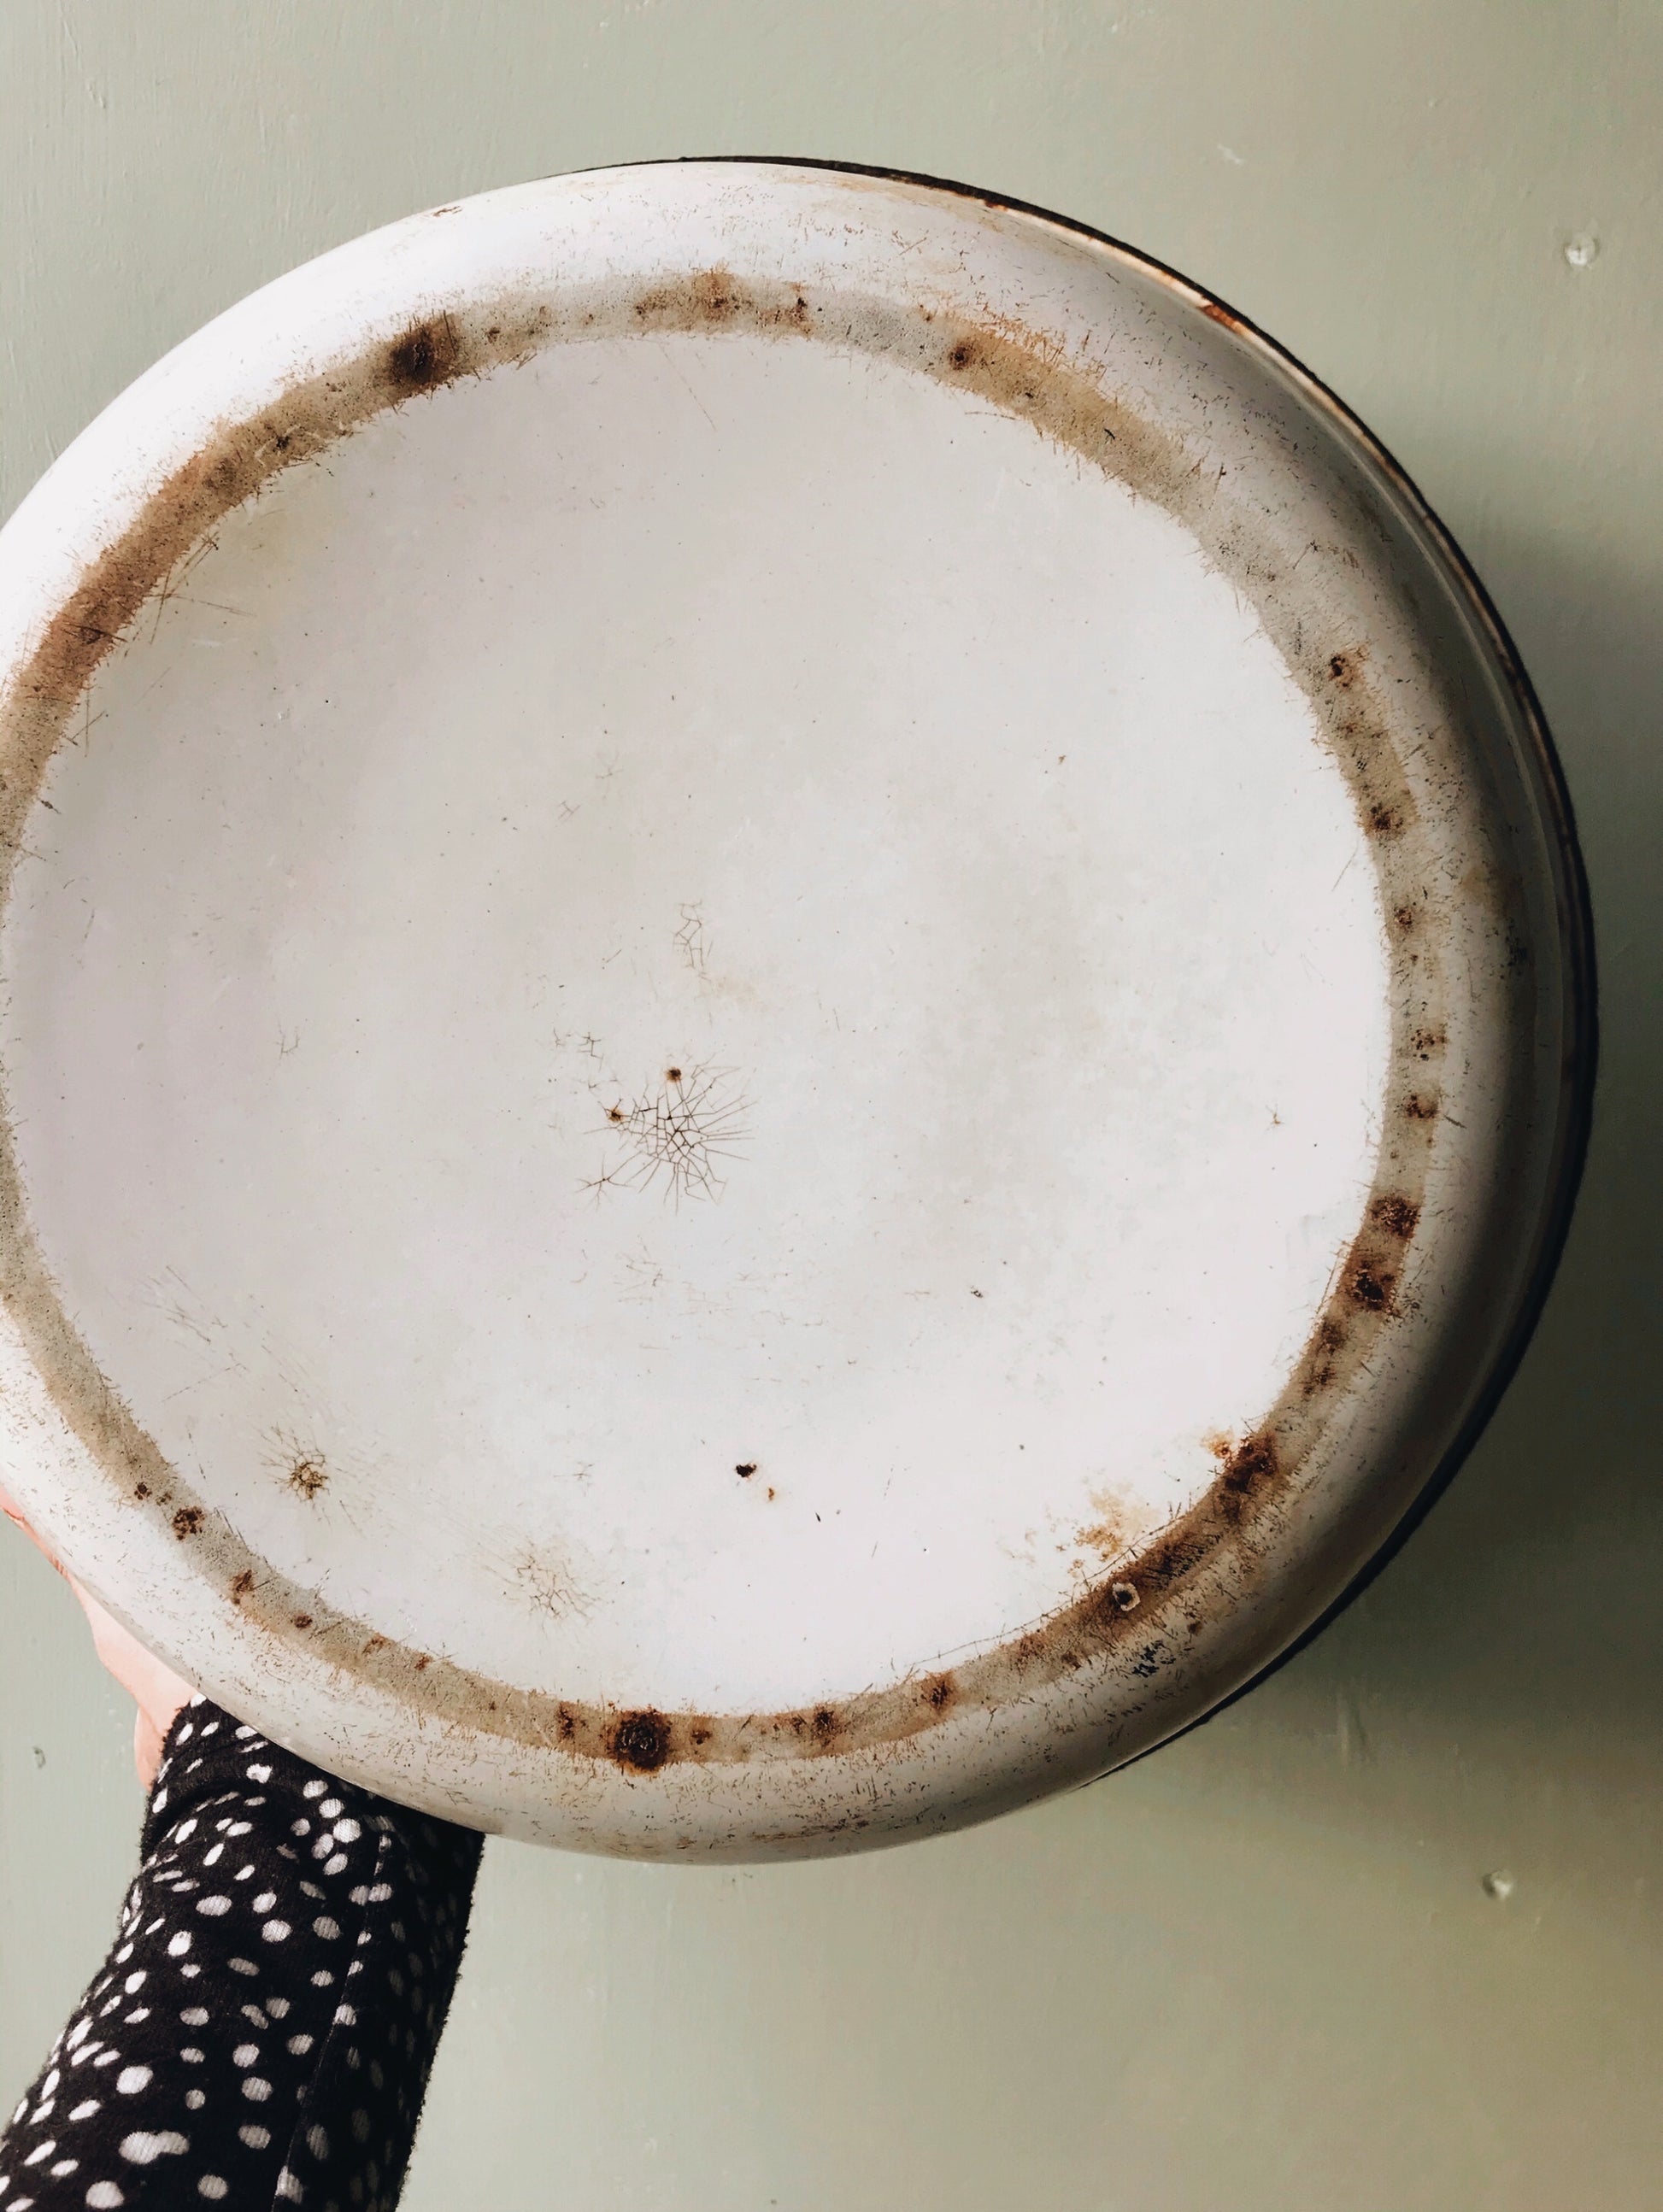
x=1386, y=1937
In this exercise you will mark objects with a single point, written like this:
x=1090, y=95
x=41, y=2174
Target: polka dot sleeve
x=262, y=2032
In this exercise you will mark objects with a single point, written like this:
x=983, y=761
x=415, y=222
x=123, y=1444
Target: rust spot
x=826, y=1726
x=673, y=1075
x=699, y=1736
x=1371, y=1287
x=1216, y=313
x=1426, y=1041
x=187, y=1521
x=714, y=298
x=939, y=1692
x=717, y=293
x=746, y=1468
x=1346, y=668
x=961, y=355
x=1247, y=1471
x=426, y=355
x=1404, y=917
x=1124, y=1597
x=1419, y=1108
x=1319, y=1369
x=302, y=1620
x=309, y=1476
x=423, y=1660
x=683, y=1134
x=642, y=1741
x=565, y=1723
x=376, y=1643
x=1397, y=1215
x=241, y=1584
x=1106, y=1537
x=1384, y=821
x=141, y=1489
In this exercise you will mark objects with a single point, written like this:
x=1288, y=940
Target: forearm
x=264, y=2027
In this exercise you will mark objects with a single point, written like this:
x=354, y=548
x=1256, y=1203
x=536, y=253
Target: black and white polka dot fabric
x=262, y=2032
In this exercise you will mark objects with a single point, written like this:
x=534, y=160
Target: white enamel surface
x=799, y=723
x=942, y=810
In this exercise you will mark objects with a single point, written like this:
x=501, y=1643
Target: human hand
x=155, y=1688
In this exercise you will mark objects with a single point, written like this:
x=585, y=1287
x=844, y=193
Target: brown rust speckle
x=1397, y=1215
x=242, y=1584
x=715, y=299
x=1106, y=1537
x=426, y=355
x=309, y=1476
x=939, y=1692
x=188, y=1522
x=1370, y=1286
x=1247, y=1470
x=1320, y=1365
x=302, y=1619
x=1417, y=1107
x=641, y=1740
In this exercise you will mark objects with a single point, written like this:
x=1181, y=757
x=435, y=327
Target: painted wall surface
x=1387, y=1935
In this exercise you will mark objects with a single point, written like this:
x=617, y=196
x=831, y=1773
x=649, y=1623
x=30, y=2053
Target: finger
x=148, y=1741
x=156, y=1689
x=14, y=1512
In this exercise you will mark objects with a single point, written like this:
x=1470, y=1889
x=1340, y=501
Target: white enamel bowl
x=794, y=1007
